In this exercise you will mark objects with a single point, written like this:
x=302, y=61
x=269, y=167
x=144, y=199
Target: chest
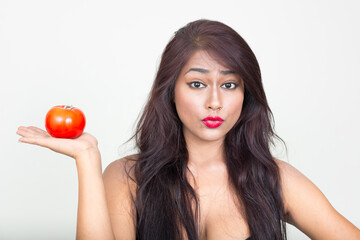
x=220, y=217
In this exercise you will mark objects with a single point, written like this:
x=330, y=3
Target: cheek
x=187, y=106
x=236, y=107
x=184, y=107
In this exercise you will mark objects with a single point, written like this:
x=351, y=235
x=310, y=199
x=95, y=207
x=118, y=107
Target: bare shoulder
x=286, y=169
x=293, y=183
x=118, y=169
x=120, y=190
x=309, y=210
x=118, y=176
x=290, y=176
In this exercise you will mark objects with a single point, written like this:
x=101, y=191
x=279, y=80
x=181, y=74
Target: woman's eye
x=196, y=85
x=230, y=85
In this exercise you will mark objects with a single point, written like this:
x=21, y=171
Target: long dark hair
x=164, y=201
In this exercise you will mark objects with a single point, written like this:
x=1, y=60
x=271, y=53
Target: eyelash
x=235, y=85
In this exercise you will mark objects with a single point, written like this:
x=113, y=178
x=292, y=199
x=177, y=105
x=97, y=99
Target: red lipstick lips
x=212, y=122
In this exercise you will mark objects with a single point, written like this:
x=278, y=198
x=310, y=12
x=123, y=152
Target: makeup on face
x=231, y=83
x=208, y=98
x=212, y=121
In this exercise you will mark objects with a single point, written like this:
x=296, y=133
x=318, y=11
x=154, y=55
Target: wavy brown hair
x=164, y=198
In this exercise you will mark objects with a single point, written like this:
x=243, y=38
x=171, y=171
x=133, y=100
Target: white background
x=102, y=56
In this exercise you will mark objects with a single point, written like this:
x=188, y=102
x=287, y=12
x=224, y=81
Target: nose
x=214, y=100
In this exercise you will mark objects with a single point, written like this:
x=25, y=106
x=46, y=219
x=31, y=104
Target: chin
x=212, y=137
x=206, y=135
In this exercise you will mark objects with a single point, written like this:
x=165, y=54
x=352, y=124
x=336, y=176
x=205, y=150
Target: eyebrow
x=202, y=70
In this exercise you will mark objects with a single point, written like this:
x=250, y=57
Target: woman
x=204, y=168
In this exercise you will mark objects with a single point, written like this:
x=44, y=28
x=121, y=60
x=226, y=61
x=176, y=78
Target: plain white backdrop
x=102, y=56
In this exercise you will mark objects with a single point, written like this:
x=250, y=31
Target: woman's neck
x=205, y=155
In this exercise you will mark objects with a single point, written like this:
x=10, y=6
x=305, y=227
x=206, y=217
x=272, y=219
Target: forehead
x=203, y=59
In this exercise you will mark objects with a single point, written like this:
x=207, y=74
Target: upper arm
x=118, y=196
x=309, y=210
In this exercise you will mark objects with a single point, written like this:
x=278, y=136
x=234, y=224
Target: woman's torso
x=220, y=217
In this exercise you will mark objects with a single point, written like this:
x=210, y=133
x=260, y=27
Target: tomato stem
x=68, y=107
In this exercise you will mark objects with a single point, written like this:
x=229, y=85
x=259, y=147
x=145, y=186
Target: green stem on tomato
x=68, y=107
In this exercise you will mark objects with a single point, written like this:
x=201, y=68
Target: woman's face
x=204, y=89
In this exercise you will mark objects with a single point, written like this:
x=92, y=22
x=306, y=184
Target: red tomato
x=65, y=122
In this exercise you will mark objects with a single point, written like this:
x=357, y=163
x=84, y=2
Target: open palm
x=69, y=147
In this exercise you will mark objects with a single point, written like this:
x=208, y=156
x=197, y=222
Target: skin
x=93, y=220
x=104, y=209
x=206, y=88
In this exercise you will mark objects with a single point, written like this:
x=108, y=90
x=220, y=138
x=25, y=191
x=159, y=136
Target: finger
x=27, y=140
x=40, y=131
x=33, y=135
x=26, y=132
x=38, y=139
x=21, y=131
x=31, y=132
x=36, y=129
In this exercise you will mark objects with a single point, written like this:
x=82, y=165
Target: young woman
x=204, y=168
